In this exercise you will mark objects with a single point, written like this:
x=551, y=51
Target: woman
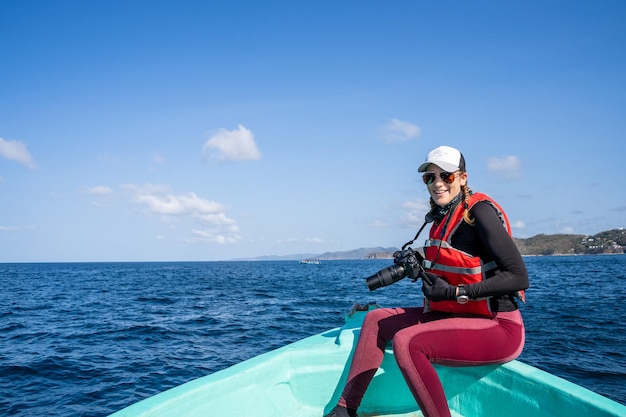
x=473, y=275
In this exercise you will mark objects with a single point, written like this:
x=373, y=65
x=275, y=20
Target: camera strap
x=429, y=218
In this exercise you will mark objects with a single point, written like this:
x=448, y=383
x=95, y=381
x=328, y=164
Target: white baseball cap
x=445, y=157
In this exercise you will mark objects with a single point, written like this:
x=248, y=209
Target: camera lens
x=385, y=277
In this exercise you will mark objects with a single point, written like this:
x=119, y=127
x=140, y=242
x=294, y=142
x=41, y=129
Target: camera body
x=407, y=263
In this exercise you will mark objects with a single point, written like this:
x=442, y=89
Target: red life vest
x=455, y=266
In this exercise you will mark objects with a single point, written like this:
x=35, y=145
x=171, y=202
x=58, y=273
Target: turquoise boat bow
x=305, y=379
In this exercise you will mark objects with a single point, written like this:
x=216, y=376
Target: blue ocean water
x=87, y=339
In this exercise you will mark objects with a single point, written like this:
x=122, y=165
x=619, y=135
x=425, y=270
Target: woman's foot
x=340, y=411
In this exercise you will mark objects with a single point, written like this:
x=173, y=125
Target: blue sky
x=211, y=130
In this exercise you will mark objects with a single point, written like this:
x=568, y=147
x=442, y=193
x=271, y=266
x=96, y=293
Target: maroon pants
x=421, y=339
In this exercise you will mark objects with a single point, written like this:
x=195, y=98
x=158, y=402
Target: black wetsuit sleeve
x=512, y=275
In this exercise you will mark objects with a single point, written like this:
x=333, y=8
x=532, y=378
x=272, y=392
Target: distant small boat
x=309, y=261
x=304, y=379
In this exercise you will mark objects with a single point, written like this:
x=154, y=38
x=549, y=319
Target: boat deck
x=305, y=379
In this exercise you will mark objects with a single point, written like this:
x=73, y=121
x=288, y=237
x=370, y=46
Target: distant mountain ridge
x=610, y=241
x=362, y=253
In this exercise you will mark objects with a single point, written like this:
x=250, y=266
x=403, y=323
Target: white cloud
x=508, y=165
x=415, y=212
x=219, y=219
x=213, y=236
x=400, y=131
x=103, y=195
x=98, y=190
x=377, y=223
x=518, y=225
x=188, y=203
x=209, y=219
x=16, y=151
x=233, y=145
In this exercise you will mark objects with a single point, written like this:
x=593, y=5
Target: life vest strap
x=458, y=270
x=437, y=243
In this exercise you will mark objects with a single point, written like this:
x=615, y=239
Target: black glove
x=436, y=288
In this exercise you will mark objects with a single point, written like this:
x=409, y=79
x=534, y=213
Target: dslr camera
x=407, y=263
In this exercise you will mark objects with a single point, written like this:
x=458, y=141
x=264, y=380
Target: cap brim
x=423, y=167
x=443, y=165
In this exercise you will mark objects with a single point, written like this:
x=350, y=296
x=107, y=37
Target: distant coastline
x=607, y=242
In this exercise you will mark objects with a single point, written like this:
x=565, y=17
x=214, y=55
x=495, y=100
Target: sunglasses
x=447, y=177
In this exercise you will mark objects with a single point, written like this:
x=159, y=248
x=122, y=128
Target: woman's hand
x=436, y=288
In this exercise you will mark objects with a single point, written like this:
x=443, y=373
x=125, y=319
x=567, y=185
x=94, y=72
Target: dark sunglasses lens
x=429, y=178
x=447, y=177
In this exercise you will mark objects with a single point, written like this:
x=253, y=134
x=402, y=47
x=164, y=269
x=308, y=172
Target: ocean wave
x=118, y=333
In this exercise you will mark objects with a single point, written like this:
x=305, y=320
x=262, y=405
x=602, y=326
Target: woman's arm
x=512, y=275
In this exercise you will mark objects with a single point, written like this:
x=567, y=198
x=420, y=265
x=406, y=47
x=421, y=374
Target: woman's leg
x=453, y=341
x=379, y=327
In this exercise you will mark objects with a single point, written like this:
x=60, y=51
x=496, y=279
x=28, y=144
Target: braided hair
x=467, y=192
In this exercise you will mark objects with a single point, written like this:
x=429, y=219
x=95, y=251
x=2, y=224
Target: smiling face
x=441, y=192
